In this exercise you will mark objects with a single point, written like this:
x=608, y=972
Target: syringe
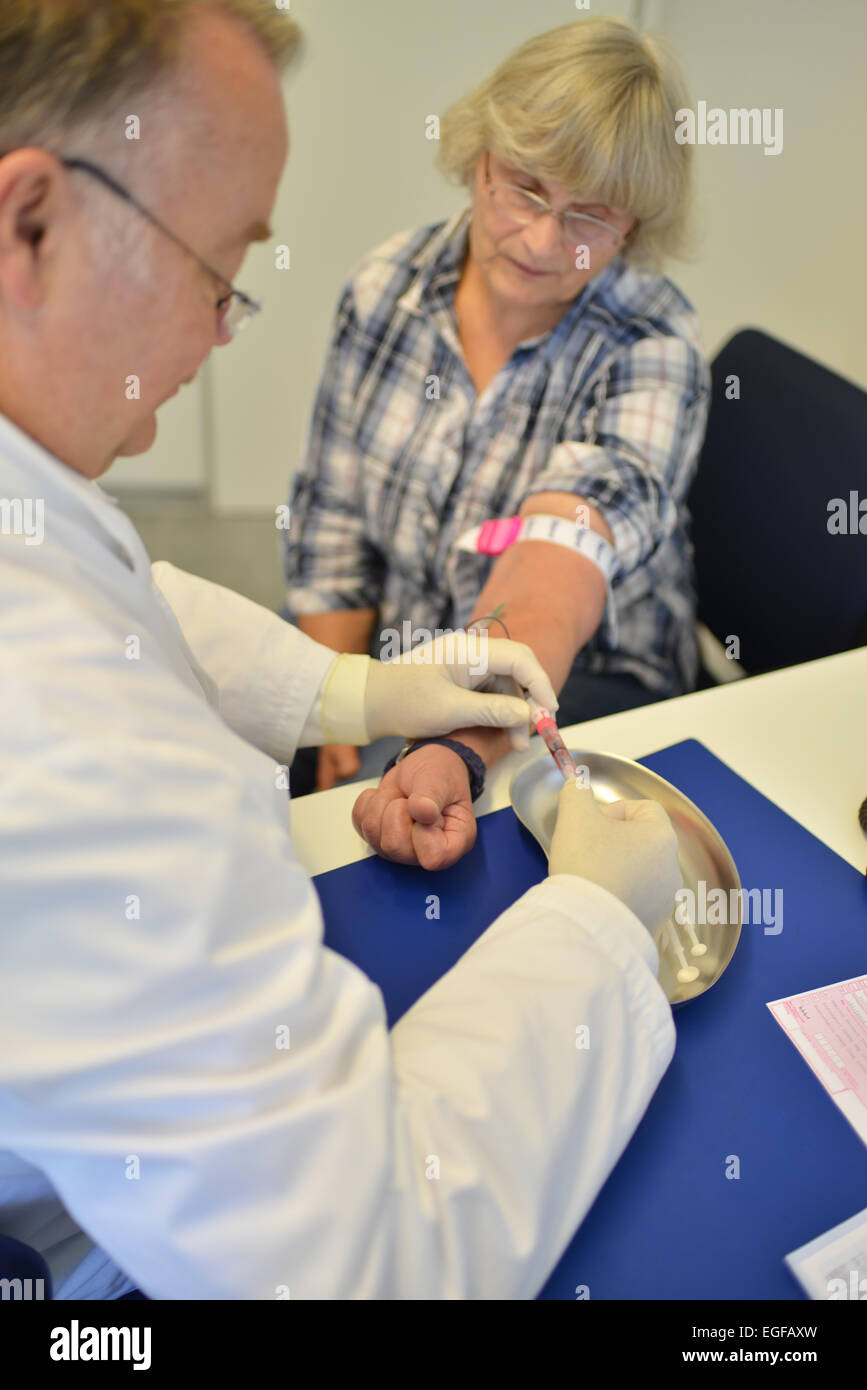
x=546, y=728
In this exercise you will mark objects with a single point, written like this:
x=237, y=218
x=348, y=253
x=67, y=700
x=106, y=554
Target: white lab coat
x=158, y=933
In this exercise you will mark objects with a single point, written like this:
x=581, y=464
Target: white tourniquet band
x=493, y=537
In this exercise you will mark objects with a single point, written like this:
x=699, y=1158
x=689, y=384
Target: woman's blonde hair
x=590, y=105
x=68, y=66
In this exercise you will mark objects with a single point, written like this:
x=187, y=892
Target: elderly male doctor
x=158, y=934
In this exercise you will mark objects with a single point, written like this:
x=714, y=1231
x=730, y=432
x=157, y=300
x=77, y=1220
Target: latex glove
x=628, y=847
x=427, y=691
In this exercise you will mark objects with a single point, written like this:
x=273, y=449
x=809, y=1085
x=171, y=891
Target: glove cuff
x=342, y=716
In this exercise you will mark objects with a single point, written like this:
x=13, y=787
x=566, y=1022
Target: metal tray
x=703, y=856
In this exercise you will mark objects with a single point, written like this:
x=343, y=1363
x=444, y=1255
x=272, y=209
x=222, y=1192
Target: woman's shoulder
x=387, y=271
x=640, y=303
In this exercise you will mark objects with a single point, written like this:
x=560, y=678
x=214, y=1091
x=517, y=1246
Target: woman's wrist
x=490, y=744
x=472, y=761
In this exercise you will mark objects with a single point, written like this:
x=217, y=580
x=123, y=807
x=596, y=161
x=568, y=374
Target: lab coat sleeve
x=519, y=1079
x=276, y=687
x=215, y=1095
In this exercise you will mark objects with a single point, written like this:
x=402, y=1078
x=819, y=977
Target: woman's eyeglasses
x=523, y=206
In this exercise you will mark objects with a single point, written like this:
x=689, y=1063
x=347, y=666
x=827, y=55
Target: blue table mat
x=669, y=1224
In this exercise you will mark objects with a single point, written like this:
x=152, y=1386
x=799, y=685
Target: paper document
x=834, y=1266
x=829, y=1028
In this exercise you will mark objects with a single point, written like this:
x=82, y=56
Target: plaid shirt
x=403, y=456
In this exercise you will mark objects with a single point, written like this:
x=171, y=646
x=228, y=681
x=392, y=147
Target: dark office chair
x=768, y=569
x=18, y=1262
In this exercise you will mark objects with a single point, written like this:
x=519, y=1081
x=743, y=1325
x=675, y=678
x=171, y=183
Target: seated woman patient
x=525, y=359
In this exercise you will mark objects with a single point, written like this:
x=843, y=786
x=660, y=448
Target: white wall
x=783, y=235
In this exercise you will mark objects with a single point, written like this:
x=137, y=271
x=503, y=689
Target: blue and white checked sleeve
x=636, y=444
x=328, y=562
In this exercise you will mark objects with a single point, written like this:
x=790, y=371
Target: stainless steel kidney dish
x=693, y=953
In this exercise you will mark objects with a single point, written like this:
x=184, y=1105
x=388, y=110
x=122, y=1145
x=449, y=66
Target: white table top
x=797, y=735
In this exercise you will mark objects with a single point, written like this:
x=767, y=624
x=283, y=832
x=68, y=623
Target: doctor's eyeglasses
x=234, y=309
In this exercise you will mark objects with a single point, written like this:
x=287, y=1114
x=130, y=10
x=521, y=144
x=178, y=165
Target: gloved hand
x=628, y=847
x=435, y=688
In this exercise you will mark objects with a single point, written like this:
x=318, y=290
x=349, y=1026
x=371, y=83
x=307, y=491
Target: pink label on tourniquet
x=497, y=536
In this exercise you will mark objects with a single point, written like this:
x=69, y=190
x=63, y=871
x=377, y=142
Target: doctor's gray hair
x=590, y=105
x=70, y=68
x=72, y=72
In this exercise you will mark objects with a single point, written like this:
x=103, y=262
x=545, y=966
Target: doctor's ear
x=31, y=218
x=30, y=201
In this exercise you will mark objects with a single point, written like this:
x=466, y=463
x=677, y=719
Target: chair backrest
x=768, y=568
x=24, y=1274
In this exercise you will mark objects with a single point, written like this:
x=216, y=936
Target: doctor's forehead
x=227, y=96
x=220, y=119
